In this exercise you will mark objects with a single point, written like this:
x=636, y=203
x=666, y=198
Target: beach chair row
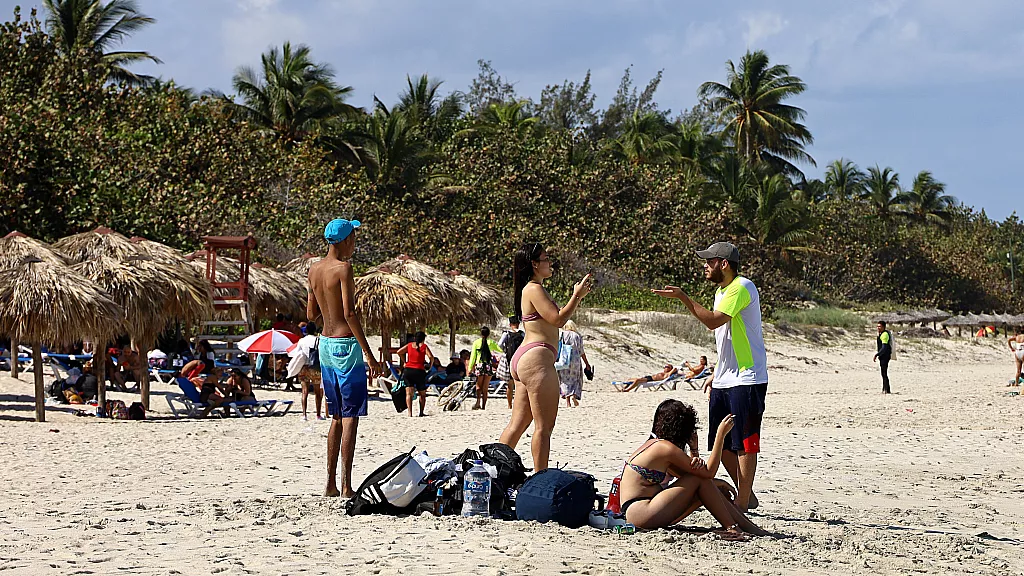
x=189, y=405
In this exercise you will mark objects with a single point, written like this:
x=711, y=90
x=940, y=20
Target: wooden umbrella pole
x=142, y=375
x=451, y=337
x=99, y=369
x=37, y=368
x=14, y=358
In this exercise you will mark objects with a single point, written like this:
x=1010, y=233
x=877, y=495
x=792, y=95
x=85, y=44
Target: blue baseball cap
x=339, y=229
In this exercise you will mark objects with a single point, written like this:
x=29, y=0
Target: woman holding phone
x=533, y=365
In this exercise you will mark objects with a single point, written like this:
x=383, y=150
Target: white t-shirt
x=742, y=360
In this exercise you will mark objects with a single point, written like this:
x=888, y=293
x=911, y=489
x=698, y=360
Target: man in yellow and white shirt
x=741, y=375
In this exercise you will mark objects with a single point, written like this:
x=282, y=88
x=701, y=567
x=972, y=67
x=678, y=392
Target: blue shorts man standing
x=342, y=349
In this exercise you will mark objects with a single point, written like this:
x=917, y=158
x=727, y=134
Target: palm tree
x=395, y=154
x=696, y=146
x=844, y=179
x=927, y=201
x=424, y=107
x=292, y=96
x=647, y=139
x=96, y=26
x=750, y=106
x=769, y=215
x=882, y=189
x=502, y=116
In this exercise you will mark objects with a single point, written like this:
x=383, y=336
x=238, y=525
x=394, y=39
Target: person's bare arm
x=430, y=355
x=313, y=312
x=710, y=318
x=348, y=303
x=1010, y=342
x=544, y=306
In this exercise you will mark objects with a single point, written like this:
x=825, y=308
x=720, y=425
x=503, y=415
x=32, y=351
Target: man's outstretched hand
x=671, y=292
x=375, y=369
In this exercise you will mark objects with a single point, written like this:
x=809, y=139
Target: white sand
x=856, y=481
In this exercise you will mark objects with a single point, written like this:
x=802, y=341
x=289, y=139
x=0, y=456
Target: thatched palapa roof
x=299, y=267
x=389, y=300
x=43, y=302
x=480, y=305
x=437, y=283
x=137, y=290
x=16, y=246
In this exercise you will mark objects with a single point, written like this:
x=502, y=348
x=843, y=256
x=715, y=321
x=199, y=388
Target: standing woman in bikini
x=533, y=365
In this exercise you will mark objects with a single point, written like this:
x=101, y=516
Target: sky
x=911, y=84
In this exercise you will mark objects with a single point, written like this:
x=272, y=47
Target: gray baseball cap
x=720, y=250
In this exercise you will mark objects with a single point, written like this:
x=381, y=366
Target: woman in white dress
x=570, y=380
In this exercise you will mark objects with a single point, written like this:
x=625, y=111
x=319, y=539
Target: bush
x=822, y=316
x=683, y=327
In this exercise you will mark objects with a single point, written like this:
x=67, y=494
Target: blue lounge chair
x=192, y=406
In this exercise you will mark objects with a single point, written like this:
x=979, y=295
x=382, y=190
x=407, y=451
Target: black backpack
x=512, y=343
x=561, y=496
x=369, y=498
x=314, y=355
x=136, y=411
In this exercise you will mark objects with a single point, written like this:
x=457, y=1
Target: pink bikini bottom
x=523, y=350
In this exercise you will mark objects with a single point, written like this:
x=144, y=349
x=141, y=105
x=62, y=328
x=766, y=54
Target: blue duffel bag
x=561, y=496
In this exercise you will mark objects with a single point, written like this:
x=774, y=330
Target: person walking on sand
x=884, y=354
x=740, y=382
x=481, y=365
x=533, y=365
x=509, y=342
x=1016, y=344
x=342, y=347
x=570, y=380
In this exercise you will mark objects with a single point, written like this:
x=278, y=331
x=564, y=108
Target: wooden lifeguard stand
x=231, y=294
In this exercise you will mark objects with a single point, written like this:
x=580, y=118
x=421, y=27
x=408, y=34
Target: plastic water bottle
x=476, y=491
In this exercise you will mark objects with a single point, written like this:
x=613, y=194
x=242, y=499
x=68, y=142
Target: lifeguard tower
x=229, y=294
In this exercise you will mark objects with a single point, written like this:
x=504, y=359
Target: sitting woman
x=650, y=496
x=240, y=386
x=666, y=371
x=213, y=393
x=203, y=363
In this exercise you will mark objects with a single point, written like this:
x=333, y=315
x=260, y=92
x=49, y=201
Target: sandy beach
x=927, y=480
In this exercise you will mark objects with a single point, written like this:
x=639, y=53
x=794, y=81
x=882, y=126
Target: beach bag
x=511, y=475
x=561, y=496
x=391, y=489
x=136, y=411
x=512, y=343
x=314, y=355
x=564, y=356
x=398, y=397
x=116, y=410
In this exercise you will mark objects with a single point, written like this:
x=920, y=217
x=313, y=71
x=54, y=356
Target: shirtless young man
x=1016, y=344
x=666, y=371
x=342, y=347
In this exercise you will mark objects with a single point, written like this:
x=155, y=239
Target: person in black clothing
x=884, y=354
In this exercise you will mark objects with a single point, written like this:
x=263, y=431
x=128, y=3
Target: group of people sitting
x=688, y=371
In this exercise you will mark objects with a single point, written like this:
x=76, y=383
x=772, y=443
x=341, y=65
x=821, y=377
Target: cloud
x=761, y=26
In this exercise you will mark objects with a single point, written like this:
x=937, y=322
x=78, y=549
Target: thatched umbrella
x=389, y=300
x=43, y=302
x=183, y=294
x=300, y=266
x=139, y=290
x=480, y=305
x=438, y=284
x=13, y=249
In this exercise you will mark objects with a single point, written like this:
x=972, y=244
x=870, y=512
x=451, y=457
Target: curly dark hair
x=675, y=421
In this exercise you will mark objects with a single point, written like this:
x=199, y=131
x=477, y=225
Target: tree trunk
x=385, y=344
x=14, y=358
x=37, y=367
x=451, y=337
x=99, y=369
x=142, y=375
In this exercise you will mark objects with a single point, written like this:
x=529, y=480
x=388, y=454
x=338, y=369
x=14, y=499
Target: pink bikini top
x=536, y=315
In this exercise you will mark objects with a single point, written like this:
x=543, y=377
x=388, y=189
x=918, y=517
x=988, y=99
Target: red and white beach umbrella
x=268, y=342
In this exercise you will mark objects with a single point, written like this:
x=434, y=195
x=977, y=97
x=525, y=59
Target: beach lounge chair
x=663, y=384
x=706, y=373
x=191, y=406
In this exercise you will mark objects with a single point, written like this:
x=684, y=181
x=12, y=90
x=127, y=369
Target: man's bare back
x=329, y=281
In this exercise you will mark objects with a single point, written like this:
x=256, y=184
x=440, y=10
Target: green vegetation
x=459, y=180
x=821, y=316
